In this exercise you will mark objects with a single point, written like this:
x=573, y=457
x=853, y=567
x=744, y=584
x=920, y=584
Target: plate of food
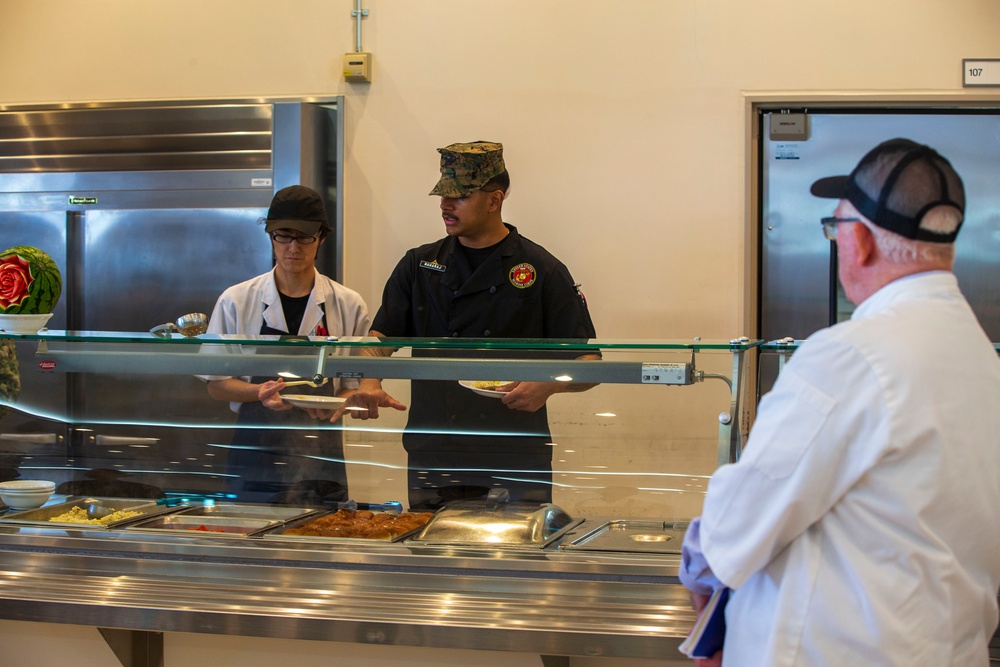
x=489, y=388
x=316, y=402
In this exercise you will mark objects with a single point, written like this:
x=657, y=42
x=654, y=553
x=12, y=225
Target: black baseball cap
x=896, y=184
x=297, y=207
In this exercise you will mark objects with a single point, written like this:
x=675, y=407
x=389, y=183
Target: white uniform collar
x=903, y=289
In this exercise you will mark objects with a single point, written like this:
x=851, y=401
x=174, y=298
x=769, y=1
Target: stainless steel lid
x=494, y=522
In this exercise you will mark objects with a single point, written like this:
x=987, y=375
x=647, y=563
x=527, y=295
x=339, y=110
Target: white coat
x=862, y=525
x=243, y=308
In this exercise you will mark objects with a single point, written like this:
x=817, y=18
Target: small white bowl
x=26, y=494
x=23, y=324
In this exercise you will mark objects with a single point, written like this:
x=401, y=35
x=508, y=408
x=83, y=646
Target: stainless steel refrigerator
x=799, y=291
x=150, y=212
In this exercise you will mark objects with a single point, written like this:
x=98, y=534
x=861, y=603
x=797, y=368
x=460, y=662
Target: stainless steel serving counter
x=644, y=440
x=549, y=602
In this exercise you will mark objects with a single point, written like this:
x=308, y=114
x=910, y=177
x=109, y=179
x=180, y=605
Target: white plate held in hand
x=318, y=402
x=486, y=387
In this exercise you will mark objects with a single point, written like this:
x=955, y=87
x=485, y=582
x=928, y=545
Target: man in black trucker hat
x=277, y=458
x=861, y=526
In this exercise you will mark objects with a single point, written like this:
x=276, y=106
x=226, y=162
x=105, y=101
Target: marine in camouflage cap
x=466, y=168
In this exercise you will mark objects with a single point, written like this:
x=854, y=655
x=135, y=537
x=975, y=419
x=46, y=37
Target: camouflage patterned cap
x=467, y=167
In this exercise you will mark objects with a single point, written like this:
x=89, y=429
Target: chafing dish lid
x=487, y=523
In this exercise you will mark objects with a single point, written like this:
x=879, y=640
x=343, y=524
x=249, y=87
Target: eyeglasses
x=288, y=238
x=830, y=226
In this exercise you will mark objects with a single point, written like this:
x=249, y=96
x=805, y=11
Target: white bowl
x=23, y=324
x=26, y=494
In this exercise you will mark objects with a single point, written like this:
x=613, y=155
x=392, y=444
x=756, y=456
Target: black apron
x=274, y=456
x=460, y=445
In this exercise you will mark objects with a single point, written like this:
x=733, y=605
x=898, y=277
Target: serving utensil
x=190, y=325
x=390, y=506
x=311, y=383
x=98, y=510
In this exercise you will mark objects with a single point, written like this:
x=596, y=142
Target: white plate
x=476, y=386
x=321, y=402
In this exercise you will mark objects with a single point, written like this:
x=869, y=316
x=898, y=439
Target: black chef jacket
x=475, y=442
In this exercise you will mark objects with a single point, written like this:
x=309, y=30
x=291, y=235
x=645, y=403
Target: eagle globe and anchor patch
x=523, y=276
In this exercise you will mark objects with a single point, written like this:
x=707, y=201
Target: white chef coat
x=862, y=525
x=243, y=308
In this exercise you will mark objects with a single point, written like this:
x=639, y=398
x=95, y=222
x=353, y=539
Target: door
x=799, y=292
x=138, y=269
x=127, y=270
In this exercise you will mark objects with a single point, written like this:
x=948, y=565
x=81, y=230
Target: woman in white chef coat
x=282, y=453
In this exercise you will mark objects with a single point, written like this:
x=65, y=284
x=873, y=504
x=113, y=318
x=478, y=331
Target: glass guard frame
x=638, y=451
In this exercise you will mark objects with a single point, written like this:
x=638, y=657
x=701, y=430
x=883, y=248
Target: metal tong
x=391, y=506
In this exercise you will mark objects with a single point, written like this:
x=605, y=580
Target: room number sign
x=983, y=72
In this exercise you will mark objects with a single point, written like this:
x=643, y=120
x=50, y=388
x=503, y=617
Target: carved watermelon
x=29, y=281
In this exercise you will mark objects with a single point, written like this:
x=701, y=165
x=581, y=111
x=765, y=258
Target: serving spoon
x=311, y=383
x=189, y=326
x=98, y=510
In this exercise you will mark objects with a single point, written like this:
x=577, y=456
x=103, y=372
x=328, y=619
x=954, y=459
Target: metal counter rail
x=554, y=604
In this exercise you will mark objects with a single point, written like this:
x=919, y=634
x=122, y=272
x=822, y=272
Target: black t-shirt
x=294, y=308
x=476, y=256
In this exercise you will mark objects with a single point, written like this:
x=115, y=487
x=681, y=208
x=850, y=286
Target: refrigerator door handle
x=123, y=440
x=32, y=438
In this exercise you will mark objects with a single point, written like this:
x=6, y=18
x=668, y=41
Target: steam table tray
x=224, y=520
x=43, y=515
x=628, y=535
x=298, y=529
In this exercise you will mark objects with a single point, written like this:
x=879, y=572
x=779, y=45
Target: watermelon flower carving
x=15, y=279
x=30, y=282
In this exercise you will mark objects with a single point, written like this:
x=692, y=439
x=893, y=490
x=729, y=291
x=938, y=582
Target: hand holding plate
x=267, y=394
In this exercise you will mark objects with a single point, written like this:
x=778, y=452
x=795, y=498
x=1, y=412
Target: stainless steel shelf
x=554, y=604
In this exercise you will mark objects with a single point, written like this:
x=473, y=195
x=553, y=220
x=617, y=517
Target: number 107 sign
x=981, y=72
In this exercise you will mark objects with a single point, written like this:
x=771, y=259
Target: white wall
x=623, y=121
